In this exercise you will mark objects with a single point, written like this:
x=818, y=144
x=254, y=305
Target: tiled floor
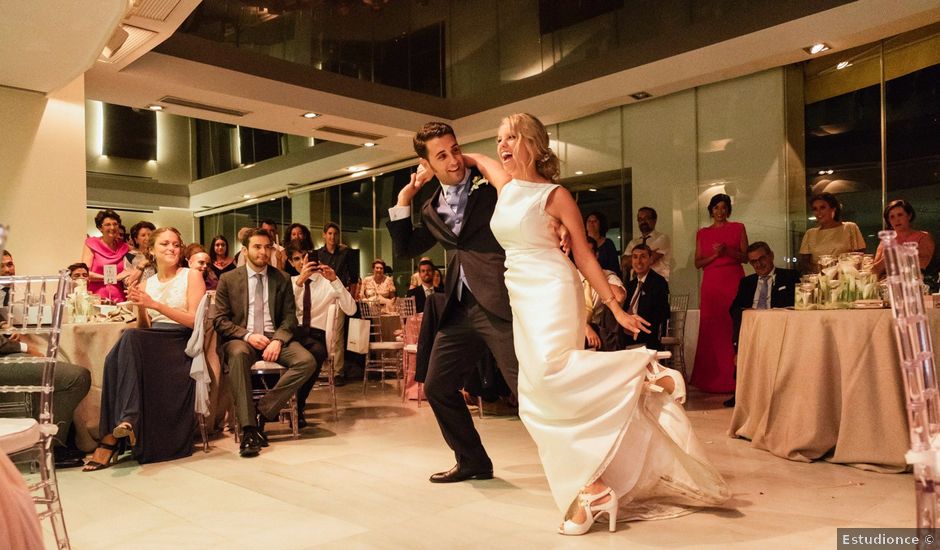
x=362, y=483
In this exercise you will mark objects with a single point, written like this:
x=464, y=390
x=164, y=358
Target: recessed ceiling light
x=817, y=48
x=246, y=196
x=155, y=107
x=579, y=172
x=829, y=171
x=593, y=190
x=355, y=168
x=310, y=115
x=843, y=64
x=369, y=144
x=359, y=174
x=822, y=172
x=641, y=95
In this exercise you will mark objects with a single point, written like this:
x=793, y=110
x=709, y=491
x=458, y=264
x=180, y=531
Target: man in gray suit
x=254, y=319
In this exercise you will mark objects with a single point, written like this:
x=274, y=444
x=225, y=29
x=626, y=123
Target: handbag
x=357, y=337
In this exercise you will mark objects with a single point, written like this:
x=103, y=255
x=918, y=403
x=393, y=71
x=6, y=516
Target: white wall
x=42, y=170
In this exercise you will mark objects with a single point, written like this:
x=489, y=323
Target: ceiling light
x=155, y=107
x=310, y=115
x=829, y=171
x=817, y=48
x=369, y=144
x=246, y=196
x=355, y=168
x=641, y=95
x=822, y=172
x=593, y=190
x=579, y=172
x=843, y=64
x=359, y=174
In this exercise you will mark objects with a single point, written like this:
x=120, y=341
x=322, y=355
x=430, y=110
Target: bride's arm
x=491, y=169
x=561, y=205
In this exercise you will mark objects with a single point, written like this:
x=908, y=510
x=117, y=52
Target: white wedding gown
x=590, y=413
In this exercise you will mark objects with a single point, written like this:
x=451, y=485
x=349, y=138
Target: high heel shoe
x=592, y=512
x=659, y=372
x=125, y=429
x=93, y=465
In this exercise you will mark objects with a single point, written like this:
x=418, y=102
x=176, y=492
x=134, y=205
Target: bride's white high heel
x=659, y=372
x=592, y=512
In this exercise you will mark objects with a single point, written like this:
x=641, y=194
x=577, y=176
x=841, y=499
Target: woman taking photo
x=104, y=253
x=222, y=262
x=153, y=352
x=720, y=249
x=831, y=236
x=898, y=216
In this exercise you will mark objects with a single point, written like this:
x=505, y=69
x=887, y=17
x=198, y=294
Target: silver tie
x=258, y=322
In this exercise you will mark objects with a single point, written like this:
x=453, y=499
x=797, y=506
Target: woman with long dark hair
x=220, y=254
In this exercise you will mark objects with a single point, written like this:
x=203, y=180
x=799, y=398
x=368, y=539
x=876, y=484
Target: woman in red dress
x=720, y=249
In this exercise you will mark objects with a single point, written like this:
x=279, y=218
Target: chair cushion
x=17, y=434
x=386, y=345
x=267, y=366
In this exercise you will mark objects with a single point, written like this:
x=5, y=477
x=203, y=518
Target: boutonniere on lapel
x=476, y=183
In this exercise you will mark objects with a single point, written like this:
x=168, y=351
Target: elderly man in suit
x=647, y=296
x=255, y=319
x=476, y=311
x=768, y=287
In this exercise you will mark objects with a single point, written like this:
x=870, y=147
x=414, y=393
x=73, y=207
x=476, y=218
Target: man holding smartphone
x=315, y=288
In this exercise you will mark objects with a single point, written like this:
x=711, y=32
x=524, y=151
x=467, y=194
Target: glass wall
x=873, y=131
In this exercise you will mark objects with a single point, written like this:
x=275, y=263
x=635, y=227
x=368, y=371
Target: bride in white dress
x=610, y=434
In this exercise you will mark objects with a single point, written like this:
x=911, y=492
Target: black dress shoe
x=301, y=421
x=251, y=442
x=68, y=458
x=260, y=421
x=729, y=403
x=457, y=473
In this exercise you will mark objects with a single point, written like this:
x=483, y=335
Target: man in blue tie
x=476, y=313
x=768, y=287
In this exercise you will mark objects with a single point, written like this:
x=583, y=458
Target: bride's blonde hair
x=531, y=133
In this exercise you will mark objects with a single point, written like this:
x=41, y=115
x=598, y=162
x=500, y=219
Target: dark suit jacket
x=231, y=305
x=419, y=296
x=476, y=249
x=8, y=346
x=652, y=306
x=781, y=295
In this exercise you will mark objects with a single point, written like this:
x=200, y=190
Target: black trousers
x=459, y=344
x=314, y=341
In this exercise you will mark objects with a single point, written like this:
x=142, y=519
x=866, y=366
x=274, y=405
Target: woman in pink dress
x=720, y=249
x=108, y=249
x=898, y=215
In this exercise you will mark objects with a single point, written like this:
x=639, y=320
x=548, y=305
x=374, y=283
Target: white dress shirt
x=658, y=242
x=322, y=294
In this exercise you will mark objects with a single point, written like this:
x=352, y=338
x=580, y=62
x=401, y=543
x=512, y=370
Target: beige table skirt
x=823, y=384
x=87, y=345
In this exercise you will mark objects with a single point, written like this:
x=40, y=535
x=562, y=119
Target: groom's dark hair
x=428, y=132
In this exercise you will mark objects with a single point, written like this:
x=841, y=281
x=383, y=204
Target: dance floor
x=362, y=483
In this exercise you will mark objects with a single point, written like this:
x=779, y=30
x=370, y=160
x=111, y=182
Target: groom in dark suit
x=255, y=319
x=476, y=312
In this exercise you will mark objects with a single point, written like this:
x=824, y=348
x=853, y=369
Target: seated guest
x=379, y=287
x=166, y=312
x=197, y=258
x=139, y=255
x=416, y=276
x=315, y=289
x=219, y=254
x=101, y=253
x=648, y=297
x=898, y=215
x=425, y=284
x=768, y=287
x=70, y=382
x=595, y=330
x=240, y=257
x=255, y=319
x=831, y=236
x=78, y=271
